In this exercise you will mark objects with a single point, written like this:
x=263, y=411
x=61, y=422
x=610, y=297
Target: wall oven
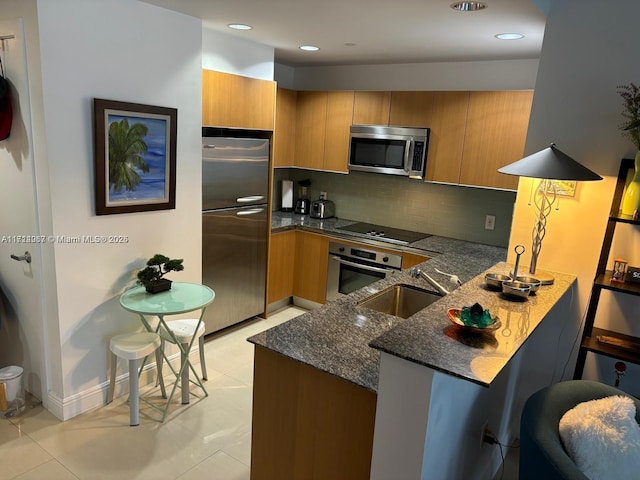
x=351, y=268
x=389, y=150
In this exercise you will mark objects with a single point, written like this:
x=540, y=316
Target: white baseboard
x=96, y=396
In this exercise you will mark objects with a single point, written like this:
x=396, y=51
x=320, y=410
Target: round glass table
x=183, y=297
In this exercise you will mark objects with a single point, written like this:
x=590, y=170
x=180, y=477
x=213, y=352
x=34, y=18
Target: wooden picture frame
x=134, y=157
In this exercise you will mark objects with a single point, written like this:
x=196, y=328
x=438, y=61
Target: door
x=234, y=264
x=235, y=172
x=22, y=339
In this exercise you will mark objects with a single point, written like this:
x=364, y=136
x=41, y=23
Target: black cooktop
x=395, y=235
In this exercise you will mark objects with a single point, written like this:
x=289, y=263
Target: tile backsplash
x=444, y=210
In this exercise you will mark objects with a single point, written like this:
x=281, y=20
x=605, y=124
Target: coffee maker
x=303, y=204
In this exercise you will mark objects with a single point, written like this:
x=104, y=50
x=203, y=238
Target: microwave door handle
x=360, y=265
x=408, y=156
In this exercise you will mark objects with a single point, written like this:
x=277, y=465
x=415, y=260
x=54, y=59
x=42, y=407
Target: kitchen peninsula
x=324, y=382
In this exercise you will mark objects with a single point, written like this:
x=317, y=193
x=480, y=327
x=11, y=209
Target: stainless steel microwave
x=389, y=150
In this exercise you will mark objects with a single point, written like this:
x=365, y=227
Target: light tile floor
x=209, y=438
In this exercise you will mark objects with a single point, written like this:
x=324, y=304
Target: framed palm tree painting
x=135, y=157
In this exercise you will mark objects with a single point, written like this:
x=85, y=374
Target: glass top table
x=183, y=297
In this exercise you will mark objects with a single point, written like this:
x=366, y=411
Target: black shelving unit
x=619, y=346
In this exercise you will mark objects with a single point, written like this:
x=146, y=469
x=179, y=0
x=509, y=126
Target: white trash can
x=11, y=391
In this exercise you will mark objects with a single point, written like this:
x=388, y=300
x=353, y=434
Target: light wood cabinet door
x=495, y=136
x=284, y=135
x=411, y=109
x=281, y=266
x=308, y=424
x=412, y=259
x=236, y=101
x=311, y=119
x=312, y=257
x=336, y=141
x=371, y=108
x=446, y=141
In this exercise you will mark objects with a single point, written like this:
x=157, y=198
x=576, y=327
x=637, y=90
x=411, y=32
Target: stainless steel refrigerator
x=235, y=185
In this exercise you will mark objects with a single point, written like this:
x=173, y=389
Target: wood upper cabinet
x=281, y=266
x=336, y=142
x=446, y=141
x=236, y=101
x=311, y=120
x=495, y=136
x=312, y=257
x=472, y=134
x=405, y=109
x=371, y=108
x=411, y=109
x=322, y=130
x=284, y=134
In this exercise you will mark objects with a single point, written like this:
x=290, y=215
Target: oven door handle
x=360, y=265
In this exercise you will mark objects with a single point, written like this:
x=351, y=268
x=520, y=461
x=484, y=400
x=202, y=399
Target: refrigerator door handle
x=252, y=199
x=252, y=211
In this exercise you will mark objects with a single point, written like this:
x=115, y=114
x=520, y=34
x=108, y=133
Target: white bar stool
x=133, y=347
x=184, y=330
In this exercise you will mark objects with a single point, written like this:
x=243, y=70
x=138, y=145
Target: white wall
x=482, y=75
x=118, y=50
x=230, y=54
x=284, y=75
x=585, y=57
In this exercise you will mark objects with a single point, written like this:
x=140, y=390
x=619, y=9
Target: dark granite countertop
x=345, y=340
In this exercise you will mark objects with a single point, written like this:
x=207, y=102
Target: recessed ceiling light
x=468, y=6
x=509, y=36
x=239, y=26
x=309, y=48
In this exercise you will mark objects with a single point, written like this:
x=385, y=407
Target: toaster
x=322, y=209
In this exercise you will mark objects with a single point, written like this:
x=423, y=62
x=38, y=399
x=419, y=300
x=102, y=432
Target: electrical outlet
x=489, y=437
x=482, y=432
x=489, y=222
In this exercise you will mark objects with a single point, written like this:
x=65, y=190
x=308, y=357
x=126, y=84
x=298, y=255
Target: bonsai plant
x=152, y=276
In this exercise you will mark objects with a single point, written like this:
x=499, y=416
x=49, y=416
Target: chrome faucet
x=415, y=272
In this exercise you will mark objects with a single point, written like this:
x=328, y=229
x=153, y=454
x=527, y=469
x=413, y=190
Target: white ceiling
x=383, y=31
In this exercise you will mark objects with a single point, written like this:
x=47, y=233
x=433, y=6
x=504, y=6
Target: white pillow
x=602, y=437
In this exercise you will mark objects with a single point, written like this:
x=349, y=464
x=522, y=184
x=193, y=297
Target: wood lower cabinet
x=236, y=101
x=308, y=424
x=411, y=259
x=281, y=265
x=298, y=265
x=311, y=259
x=495, y=136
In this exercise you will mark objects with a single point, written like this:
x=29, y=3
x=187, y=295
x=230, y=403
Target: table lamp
x=547, y=165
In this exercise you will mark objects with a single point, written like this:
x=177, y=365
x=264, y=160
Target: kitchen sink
x=400, y=300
